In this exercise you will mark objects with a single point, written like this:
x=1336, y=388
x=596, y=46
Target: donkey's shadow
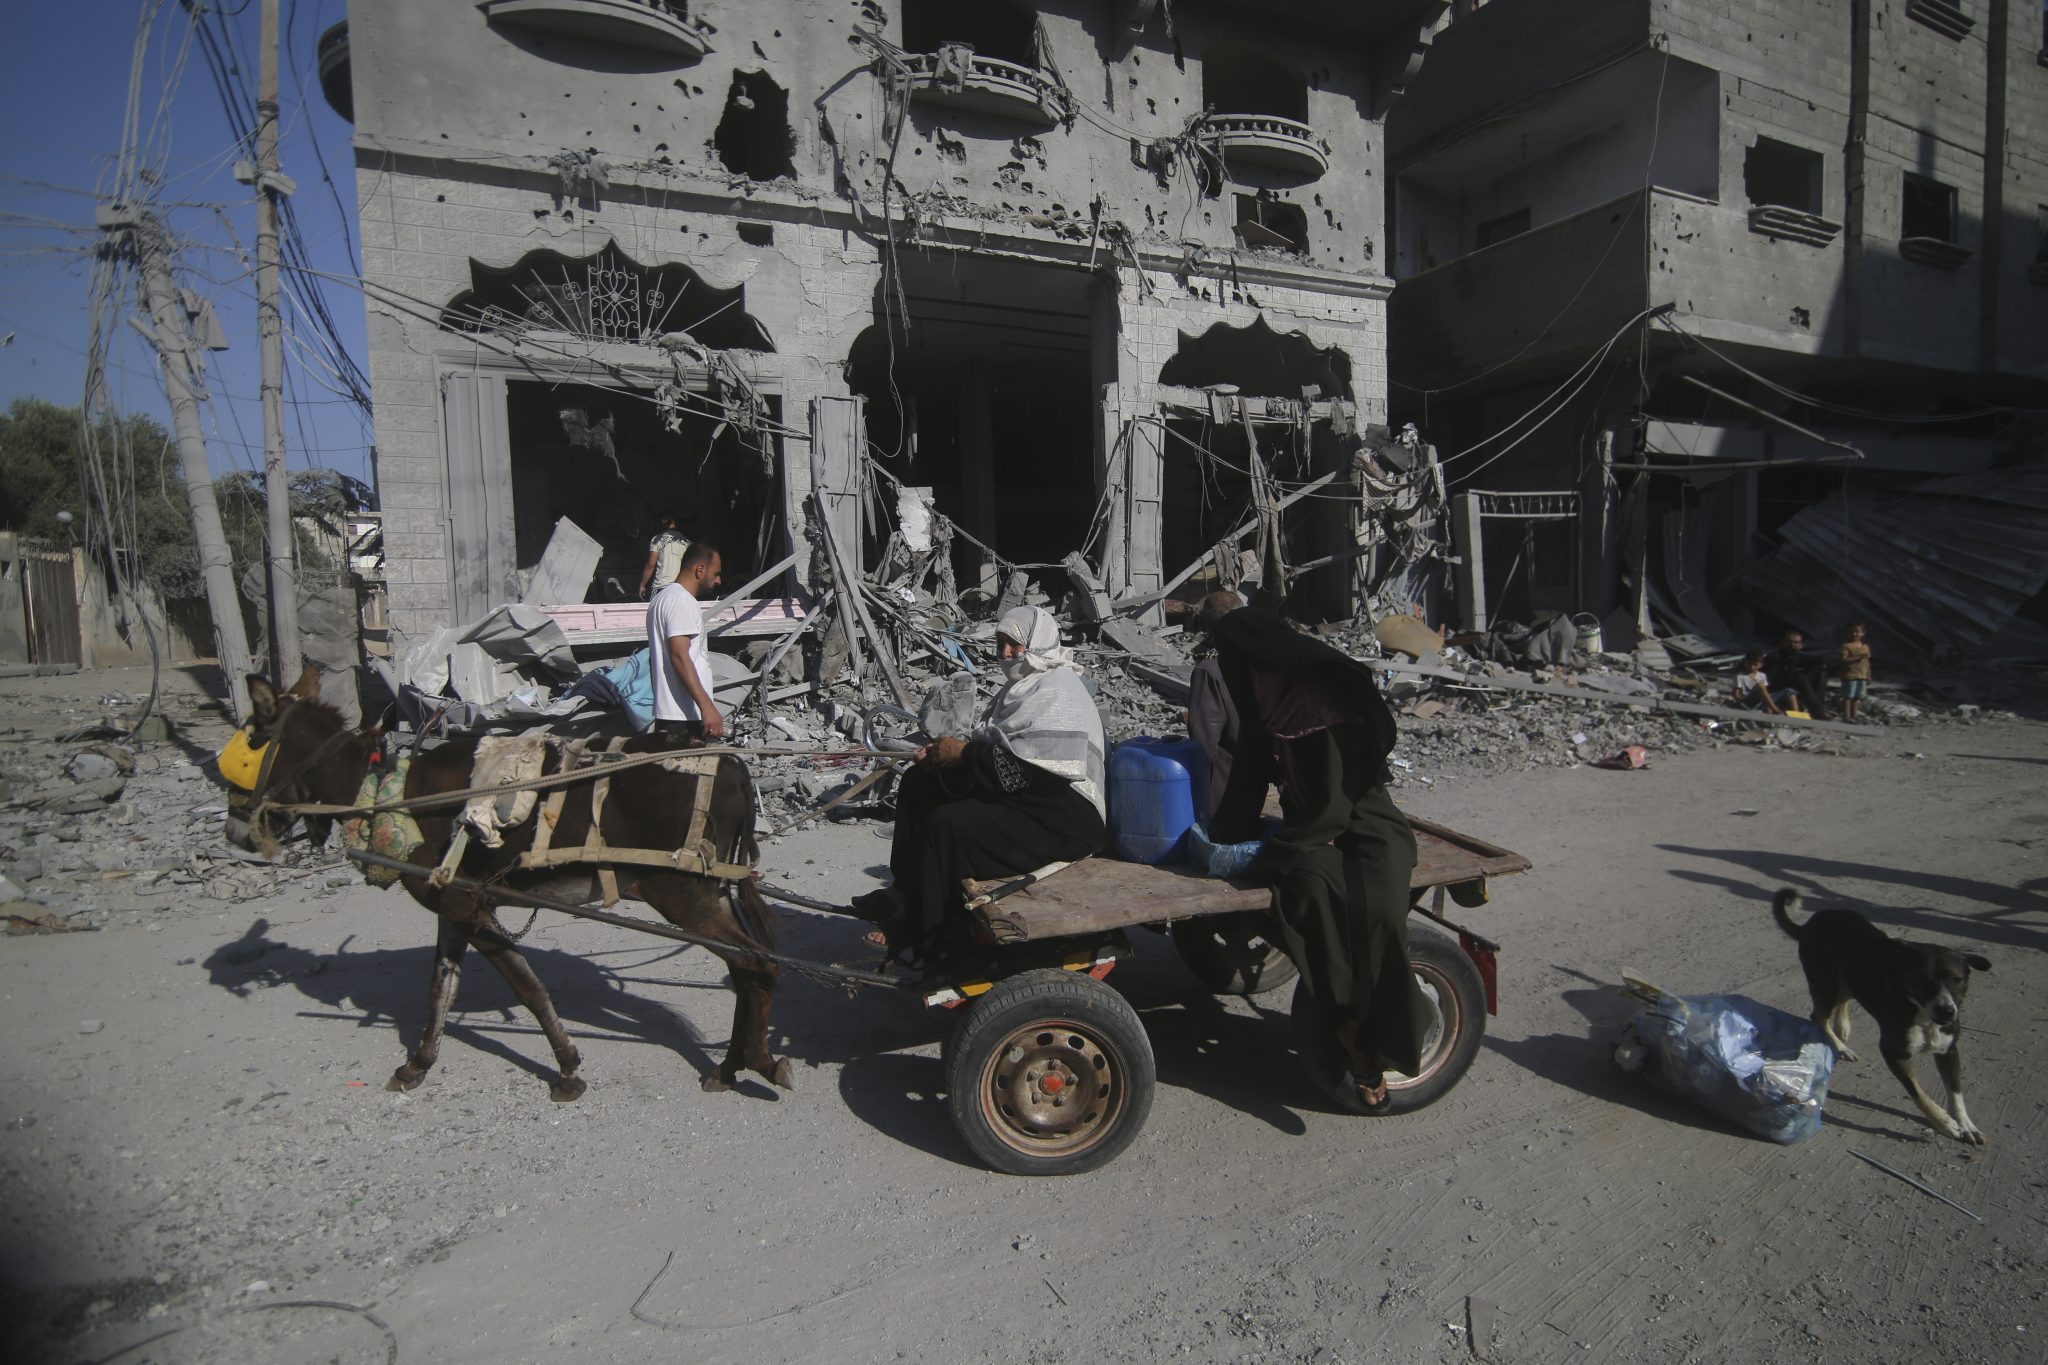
x=387, y=988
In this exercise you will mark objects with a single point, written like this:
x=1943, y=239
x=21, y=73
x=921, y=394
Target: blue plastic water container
x=1154, y=787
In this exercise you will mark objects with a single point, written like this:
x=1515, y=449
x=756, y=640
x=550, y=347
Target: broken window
x=1237, y=80
x=1259, y=362
x=1271, y=223
x=1501, y=228
x=1779, y=174
x=754, y=138
x=608, y=459
x=1927, y=209
x=992, y=29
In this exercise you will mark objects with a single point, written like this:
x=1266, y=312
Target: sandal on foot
x=1373, y=1098
x=891, y=936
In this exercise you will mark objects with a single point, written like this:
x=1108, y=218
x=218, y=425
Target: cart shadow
x=1584, y=1062
x=386, y=988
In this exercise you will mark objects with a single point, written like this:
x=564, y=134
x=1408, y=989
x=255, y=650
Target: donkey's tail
x=1782, y=904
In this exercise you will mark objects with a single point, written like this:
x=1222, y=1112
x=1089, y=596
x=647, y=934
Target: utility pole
x=270, y=184
x=171, y=333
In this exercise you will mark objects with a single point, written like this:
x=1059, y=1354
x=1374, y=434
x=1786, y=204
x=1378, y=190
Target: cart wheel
x=1231, y=955
x=1450, y=982
x=1050, y=1073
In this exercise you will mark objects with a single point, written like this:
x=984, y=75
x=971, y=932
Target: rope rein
x=602, y=768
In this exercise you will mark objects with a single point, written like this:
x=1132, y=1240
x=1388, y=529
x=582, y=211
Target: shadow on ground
x=2013, y=916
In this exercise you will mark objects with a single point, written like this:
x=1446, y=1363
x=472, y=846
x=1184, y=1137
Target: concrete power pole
x=270, y=183
x=171, y=333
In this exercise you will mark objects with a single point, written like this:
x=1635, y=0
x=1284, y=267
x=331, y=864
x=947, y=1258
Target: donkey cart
x=1049, y=1070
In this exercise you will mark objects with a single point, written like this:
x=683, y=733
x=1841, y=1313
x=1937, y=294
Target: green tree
x=40, y=475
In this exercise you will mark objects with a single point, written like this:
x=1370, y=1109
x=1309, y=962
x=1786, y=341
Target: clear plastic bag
x=1753, y=1064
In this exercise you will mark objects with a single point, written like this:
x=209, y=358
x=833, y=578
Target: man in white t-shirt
x=680, y=654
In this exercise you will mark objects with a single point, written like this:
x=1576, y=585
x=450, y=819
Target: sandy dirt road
x=226, y=1125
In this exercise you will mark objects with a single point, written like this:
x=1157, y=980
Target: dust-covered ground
x=200, y=1162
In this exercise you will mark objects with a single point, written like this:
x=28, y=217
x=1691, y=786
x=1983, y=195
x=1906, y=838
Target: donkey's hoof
x=566, y=1089
x=782, y=1073
x=404, y=1079
x=716, y=1084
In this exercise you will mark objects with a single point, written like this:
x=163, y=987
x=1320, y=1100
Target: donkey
x=318, y=760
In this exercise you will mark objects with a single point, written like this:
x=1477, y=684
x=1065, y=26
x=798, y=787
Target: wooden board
x=1097, y=895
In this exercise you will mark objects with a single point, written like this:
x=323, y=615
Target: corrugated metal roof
x=1935, y=572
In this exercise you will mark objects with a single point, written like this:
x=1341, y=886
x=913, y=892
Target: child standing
x=1855, y=671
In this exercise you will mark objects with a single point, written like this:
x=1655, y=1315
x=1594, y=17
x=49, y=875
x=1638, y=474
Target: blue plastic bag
x=1752, y=1064
x=1224, y=860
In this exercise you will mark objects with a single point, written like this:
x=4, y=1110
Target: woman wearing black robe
x=1311, y=718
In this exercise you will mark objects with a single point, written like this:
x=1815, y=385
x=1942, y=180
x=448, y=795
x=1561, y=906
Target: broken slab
x=566, y=567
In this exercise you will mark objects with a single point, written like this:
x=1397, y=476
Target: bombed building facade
x=1059, y=270
x=1734, y=316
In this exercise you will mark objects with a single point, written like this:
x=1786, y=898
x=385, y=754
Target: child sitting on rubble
x=1753, y=689
x=1855, y=671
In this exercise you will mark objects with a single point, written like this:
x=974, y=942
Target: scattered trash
x=1922, y=1186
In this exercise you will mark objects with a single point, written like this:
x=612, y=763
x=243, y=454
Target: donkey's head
x=293, y=748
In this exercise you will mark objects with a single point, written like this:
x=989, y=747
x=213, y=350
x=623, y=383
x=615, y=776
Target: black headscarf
x=1249, y=641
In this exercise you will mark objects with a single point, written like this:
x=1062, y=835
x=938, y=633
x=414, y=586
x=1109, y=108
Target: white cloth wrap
x=1044, y=714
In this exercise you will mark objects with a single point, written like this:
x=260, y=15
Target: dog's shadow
x=386, y=989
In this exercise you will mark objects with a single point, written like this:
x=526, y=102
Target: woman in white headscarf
x=1026, y=790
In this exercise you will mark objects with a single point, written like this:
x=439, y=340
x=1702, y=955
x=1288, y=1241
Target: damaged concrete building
x=1734, y=316
x=1095, y=275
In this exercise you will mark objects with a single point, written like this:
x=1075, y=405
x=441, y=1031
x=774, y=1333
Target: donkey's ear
x=383, y=723
x=262, y=699
x=307, y=688
x=1977, y=961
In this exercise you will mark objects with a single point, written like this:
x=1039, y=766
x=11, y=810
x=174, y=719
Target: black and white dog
x=1914, y=991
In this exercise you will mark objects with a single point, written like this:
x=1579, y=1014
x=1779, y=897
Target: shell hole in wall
x=754, y=138
x=1271, y=223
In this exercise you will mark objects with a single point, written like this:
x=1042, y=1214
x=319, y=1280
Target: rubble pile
x=117, y=832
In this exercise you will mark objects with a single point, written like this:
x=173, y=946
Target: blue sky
x=62, y=106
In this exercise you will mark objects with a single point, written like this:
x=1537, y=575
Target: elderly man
x=1311, y=718
x=1025, y=791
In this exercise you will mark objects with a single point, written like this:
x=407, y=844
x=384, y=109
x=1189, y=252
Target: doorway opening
x=984, y=397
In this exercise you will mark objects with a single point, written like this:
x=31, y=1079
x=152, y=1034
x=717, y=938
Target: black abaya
x=990, y=815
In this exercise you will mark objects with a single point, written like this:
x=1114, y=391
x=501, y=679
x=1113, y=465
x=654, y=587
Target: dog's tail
x=1782, y=905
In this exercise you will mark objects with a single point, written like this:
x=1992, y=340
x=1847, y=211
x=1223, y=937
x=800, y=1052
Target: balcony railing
x=1268, y=140
x=963, y=79
x=335, y=80
x=664, y=26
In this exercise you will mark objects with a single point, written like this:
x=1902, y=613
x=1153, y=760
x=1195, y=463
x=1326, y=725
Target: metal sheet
x=1936, y=572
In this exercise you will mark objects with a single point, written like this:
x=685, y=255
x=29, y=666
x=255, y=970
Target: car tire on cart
x=1231, y=955
x=1451, y=983
x=1050, y=1073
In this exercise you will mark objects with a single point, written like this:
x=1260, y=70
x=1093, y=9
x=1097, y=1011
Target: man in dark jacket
x=1311, y=718
x=1790, y=666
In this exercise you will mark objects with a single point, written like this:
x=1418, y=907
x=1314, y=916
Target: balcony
x=662, y=26
x=1792, y=225
x=335, y=81
x=1935, y=251
x=1268, y=140
x=1944, y=18
x=960, y=78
